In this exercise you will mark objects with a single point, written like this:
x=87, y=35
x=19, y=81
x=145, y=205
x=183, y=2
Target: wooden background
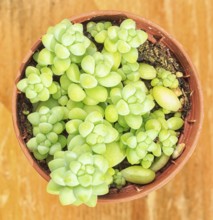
x=23, y=192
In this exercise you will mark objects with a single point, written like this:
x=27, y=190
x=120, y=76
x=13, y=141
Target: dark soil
x=158, y=55
x=155, y=54
x=24, y=108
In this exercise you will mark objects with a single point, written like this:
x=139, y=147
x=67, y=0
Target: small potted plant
x=107, y=107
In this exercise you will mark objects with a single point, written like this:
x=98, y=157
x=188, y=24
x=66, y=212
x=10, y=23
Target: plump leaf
x=67, y=196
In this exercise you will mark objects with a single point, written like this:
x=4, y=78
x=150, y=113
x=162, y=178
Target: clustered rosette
x=79, y=179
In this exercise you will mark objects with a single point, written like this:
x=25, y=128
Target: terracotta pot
x=193, y=122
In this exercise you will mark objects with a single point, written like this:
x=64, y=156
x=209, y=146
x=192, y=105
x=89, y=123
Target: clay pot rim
x=86, y=17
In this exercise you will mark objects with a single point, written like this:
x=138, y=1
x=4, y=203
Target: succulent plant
x=89, y=85
x=124, y=39
x=98, y=30
x=99, y=67
x=38, y=84
x=47, y=128
x=92, y=109
x=93, y=131
x=140, y=146
x=130, y=71
x=131, y=102
x=79, y=179
x=118, y=180
x=168, y=140
x=165, y=78
x=157, y=136
x=64, y=44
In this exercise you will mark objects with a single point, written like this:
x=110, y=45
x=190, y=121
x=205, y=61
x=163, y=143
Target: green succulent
x=60, y=92
x=131, y=102
x=139, y=146
x=64, y=44
x=98, y=69
x=94, y=131
x=130, y=71
x=118, y=179
x=92, y=109
x=124, y=39
x=165, y=78
x=155, y=120
x=90, y=84
x=48, y=126
x=168, y=139
x=78, y=110
x=79, y=179
x=38, y=84
x=98, y=30
x=134, y=71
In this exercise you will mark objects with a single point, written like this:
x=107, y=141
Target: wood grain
x=23, y=192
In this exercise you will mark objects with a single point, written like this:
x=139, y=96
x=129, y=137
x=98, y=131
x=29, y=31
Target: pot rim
x=103, y=13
